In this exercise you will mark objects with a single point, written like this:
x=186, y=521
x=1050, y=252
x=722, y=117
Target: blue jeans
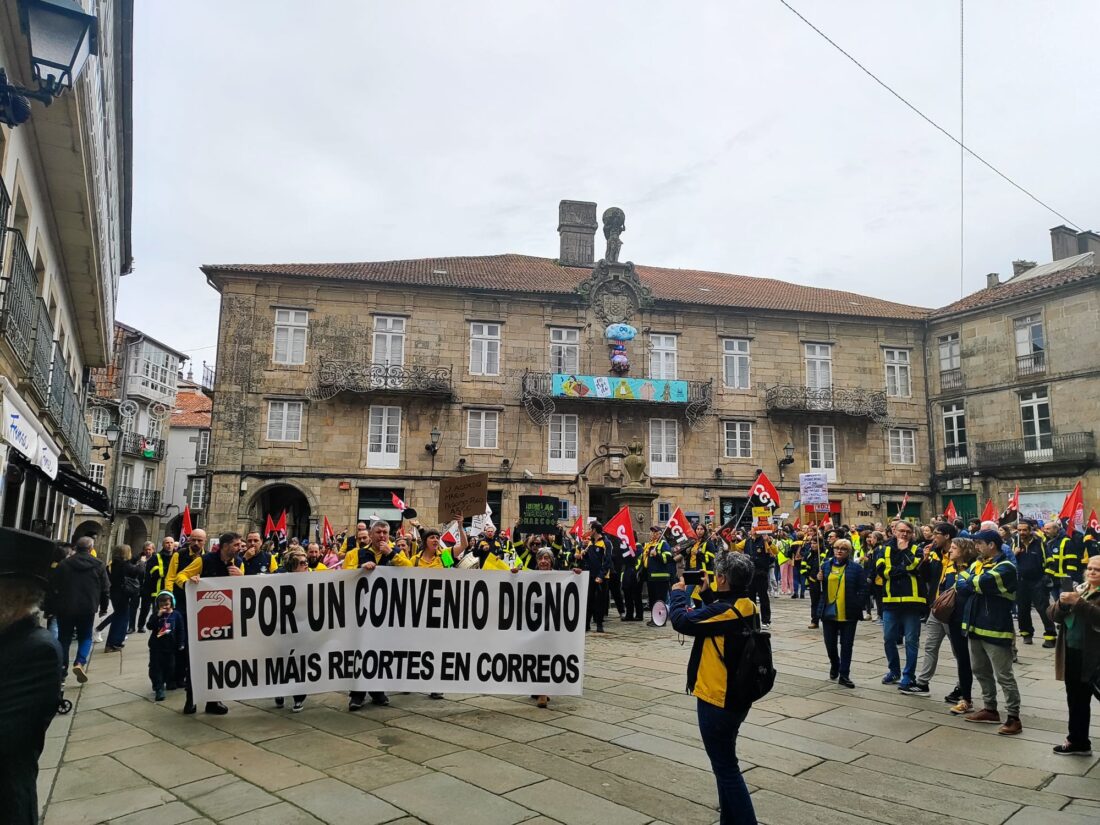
x=120, y=621
x=81, y=626
x=718, y=729
x=845, y=634
x=799, y=582
x=895, y=623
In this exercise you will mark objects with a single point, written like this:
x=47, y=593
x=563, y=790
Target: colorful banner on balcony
x=620, y=389
x=404, y=629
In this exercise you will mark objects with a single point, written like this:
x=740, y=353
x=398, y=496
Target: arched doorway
x=273, y=500
x=88, y=528
x=172, y=528
x=135, y=534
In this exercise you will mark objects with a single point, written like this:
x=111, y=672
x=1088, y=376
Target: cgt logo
x=763, y=495
x=215, y=614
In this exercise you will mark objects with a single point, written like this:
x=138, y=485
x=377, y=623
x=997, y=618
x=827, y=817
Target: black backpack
x=754, y=676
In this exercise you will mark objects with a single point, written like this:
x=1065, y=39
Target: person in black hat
x=30, y=659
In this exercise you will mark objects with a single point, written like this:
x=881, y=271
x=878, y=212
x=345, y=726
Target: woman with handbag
x=948, y=608
x=1077, y=656
x=844, y=590
x=125, y=578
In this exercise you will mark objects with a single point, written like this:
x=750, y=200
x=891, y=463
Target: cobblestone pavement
x=626, y=752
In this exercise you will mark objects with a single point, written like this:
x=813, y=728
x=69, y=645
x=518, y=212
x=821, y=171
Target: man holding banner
x=595, y=558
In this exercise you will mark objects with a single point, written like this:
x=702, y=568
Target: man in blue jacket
x=597, y=561
x=1033, y=586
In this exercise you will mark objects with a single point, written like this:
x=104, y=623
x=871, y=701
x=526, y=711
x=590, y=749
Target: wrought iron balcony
x=543, y=391
x=135, y=500
x=1034, y=364
x=1068, y=448
x=336, y=376
x=18, y=314
x=58, y=385
x=787, y=398
x=951, y=380
x=42, y=353
x=142, y=446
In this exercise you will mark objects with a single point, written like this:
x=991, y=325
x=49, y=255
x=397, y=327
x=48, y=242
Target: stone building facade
x=1014, y=381
x=333, y=379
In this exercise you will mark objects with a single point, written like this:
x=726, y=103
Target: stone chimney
x=577, y=229
x=992, y=279
x=1089, y=241
x=1022, y=266
x=1063, y=243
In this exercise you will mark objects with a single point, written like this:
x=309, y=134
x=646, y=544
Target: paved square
x=627, y=752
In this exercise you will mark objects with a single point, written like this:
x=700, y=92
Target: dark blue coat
x=855, y=591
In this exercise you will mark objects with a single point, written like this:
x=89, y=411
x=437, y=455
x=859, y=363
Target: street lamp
x=113, y=432
x=787, y=460
x=60, y=37
x=433, y=448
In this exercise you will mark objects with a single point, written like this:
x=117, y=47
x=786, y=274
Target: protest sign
x=538, y=514
x=466, y=494
x=761, y=518
x=400, y=629
x=813, y=488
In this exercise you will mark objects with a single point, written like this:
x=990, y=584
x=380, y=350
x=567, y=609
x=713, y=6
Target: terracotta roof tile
x=192, y=410
x=524, y=273
x=1014, y=289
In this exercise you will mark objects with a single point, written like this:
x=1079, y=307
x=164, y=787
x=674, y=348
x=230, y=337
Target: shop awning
x=69, y=483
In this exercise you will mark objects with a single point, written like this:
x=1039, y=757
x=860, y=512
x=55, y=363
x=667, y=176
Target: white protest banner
x=813, y=488
x=401, y=629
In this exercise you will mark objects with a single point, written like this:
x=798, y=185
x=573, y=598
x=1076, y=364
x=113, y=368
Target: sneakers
x=766, y=626
x=160, y=695
x=1067, y=749
x=890, y=679
x=98, y=636
x=963, y=707
x=1011, y=727
x=435, y=695
x=299, y=705
x=844, y=681
x=1028, y=640
x=915, y=689
x=812, y=626
x=379, y=698
x=356, y=703
x=216, y=709
x=80, y=672
x=954, y=696
x=1048, y=643
x=279, y=701
x=985, y=715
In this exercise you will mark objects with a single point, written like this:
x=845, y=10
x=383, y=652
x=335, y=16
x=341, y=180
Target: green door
x=966, y=504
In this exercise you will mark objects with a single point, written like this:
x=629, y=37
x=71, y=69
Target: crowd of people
x=975, y=585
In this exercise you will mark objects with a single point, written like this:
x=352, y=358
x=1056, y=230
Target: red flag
x=578, y=527
x=679, y=526
x=398, y=503
x=1094, y=523
x=280, y=528
x=989, y=513
x=828, y=523
x=540, y=489
x=950, y=513
x=327, y=535
x=764, y=492
x=185, y=524
x=797, y=523
x=904, y=504
x=621, y=528
x=1014, y=502
x=269, y=528
x=1074, y=509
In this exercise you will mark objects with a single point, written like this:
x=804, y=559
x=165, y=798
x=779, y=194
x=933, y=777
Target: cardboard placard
x=813, y=488
x=538, y=514
x=761, y=517
x=466, y=494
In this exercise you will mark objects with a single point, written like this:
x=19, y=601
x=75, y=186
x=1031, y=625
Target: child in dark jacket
x=167, y=636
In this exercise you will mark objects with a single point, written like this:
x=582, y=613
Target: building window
x=662, y=356
x=384, y=439
x=484, y=349
x=738, y=439
x=823, y=450
x=284, y=420
x=389, y=341
x=101, y=420
x=564, y=350
x=152, y=428
x=735, y=363
x=197, y=499
x=898, y=383
x=96, y=472
x=202, y=451
x=903, y=446
x=664, y=511
x=819, y=366
x=563, y=509
x=663, y=447
x=126, y=476
x=481, y=429
x=148, y=479
x=154, y=369
x=1030, y=345
x=950, y=352
x=1035, y=413
x=954, y=434
x=563, y=445
x=290, y=336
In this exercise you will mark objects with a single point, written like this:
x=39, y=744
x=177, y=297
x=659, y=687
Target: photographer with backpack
x=729, y=669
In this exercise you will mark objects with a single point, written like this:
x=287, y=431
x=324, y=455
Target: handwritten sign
x=813, y=488
x=538, y=514
x=466, y=494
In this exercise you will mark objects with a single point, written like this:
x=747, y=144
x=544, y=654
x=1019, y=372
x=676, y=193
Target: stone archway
x=135, y=533
x=273, y=499
x=88, y=528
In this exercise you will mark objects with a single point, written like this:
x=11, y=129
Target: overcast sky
x=732, y=135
